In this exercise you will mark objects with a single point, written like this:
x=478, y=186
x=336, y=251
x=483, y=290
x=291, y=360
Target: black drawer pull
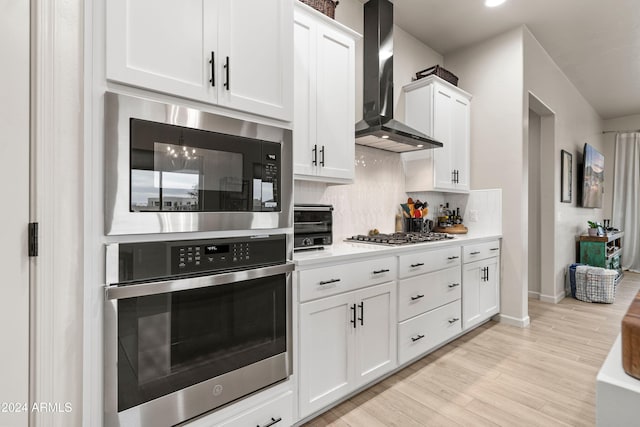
x=495, y=249
x=419, y=337
x=381, y=271
x=326, y=282
x=420, y=264
x=322, y=156
x=453, y=257
x=417, y=297
x=361, y=318
x=353, y=315
x=453, y=285
x=272, y=422
x=314, y=161
x=454, y=320
x=474, y=253
x=227, y=84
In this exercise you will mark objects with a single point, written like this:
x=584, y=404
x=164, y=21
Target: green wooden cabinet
x=602, y=251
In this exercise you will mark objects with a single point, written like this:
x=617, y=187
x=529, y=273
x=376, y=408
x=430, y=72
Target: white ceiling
x=596, y=43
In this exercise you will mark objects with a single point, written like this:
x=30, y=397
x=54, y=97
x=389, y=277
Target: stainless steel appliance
x=401, y=238
x=312, y=226
x=191, y=325
x=170, y=169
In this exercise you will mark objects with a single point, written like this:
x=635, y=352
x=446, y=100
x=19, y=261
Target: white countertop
x=617, y=394
x=345, y=251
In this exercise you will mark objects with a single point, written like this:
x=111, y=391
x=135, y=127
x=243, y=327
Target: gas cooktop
x=397, y=239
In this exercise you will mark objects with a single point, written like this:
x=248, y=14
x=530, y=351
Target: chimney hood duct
x=379, y=129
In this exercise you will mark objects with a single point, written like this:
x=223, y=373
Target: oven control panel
x=151, y=260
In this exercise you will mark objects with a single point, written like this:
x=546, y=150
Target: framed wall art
x=566, y=173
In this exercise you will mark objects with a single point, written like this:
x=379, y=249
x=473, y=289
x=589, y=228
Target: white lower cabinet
x=275, y=412
x=480, y=291
x=346, y=341
x=420, y=334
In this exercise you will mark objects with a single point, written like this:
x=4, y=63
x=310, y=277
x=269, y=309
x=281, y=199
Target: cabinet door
x=304, y=95
x=471, y=282
x=460, y=156
x=161, y=45
x=490, y=291
x=256, y=56
x=326, y=351
x=335, y=109
x=376, y=332
x=442, y=129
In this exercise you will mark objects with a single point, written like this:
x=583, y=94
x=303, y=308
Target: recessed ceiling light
x=385, y=136
x=493, y=3
x=419, y=145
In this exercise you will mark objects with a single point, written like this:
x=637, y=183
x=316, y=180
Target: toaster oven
x=312, y=226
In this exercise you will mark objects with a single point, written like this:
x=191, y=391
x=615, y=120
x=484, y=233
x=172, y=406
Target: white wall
x=576, y=123
x=492, y=72
x=14, y=185
x=534, y=222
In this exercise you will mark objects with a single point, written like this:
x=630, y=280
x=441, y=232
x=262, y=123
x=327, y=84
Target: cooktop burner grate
x=397, y=239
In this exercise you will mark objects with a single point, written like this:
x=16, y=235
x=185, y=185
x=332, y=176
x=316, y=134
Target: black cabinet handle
x=212, y=61
x=457, y=176
x=453, y=285
x=487, y=274
x=315, y=155
x=326, y=282
x=419, y=337
x=454, y=320
x=272, y=422
x=453, y=257
x=381, y=271
x=353, y=315
x=495, y=249
x=474, y=253
x=420, y=264
x=417, y=297
x=227, y=84
x=361, y=318
x=322, y=156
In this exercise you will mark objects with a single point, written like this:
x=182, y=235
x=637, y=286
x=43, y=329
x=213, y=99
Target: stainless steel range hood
x=379, y=129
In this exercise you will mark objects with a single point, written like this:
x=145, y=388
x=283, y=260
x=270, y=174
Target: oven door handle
x=162, y=287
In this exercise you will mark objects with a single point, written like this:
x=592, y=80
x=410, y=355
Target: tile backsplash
x=373, y=200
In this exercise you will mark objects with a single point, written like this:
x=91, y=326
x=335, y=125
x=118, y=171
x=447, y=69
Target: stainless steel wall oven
x=171, y=168
x=191, y=325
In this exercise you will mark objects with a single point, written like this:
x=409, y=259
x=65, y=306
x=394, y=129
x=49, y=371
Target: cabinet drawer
x=276, y=412
x=422, y=333
x=331, y=280
x=428, y=261
x=478, y=251
x=422, y=293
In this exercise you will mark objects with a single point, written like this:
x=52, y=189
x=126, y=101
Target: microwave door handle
x=162, y=287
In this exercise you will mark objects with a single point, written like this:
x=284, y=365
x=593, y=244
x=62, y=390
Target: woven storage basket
x=328, y=7
x=595, y=284
x=440, y=72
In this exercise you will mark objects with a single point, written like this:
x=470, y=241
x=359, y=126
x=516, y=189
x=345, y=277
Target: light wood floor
x=543, y=375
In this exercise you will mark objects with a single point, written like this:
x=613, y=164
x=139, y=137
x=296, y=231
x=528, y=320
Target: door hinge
x=33, y=239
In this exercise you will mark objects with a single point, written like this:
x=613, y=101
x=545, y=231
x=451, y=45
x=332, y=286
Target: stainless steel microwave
x=171, y=168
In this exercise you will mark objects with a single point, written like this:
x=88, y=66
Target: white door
x=376, y=332
x=490, y=291
x=256, y=48
x=460, y=142
x=327, y=331
x=162, y=45
x=471, y=284
x=336, y=92
x=14, y=182
x=442, y=124
x=304, y=96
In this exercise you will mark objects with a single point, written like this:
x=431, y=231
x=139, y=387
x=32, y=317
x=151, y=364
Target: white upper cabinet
x=442, y=111
x=235, y=53
x=324, y=98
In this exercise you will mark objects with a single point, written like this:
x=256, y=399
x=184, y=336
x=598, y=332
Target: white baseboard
x=514, y=321
x=534, y=294
x=553, y=299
